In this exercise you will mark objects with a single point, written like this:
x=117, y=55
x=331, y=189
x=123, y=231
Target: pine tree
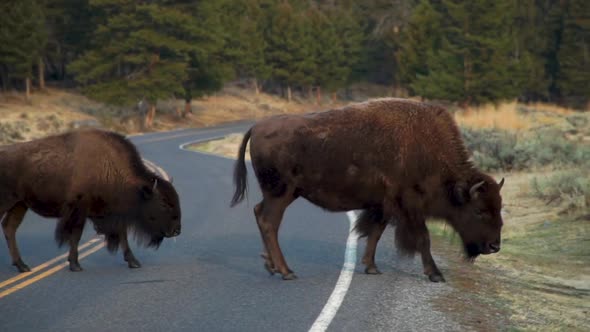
x=328, y=53
x=472, y=64
x=210, y=61
x=289, y=55
x=573, y=79
x=22, y=37
x=140, y=51
x=70, y=25
x=246, y=46
x=383, y=22
x=351, y=37
x=529, y=45
x=419, y=40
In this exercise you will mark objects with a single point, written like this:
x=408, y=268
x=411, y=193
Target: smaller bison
x=91, y=174
x=398, y=160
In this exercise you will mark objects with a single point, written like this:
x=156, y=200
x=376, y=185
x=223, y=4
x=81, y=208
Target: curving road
x=212, y=278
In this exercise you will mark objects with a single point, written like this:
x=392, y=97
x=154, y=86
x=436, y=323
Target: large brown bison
x=86, y=174
x=398, y=160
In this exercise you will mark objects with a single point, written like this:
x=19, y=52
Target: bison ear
x=146, y=192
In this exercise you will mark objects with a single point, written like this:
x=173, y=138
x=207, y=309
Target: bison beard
x=399, y=161
x=472, y=250
x=113, y=227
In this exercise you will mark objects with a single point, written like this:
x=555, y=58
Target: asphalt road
x=212, y=278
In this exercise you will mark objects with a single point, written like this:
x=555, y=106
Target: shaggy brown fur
x=398, y=160
x=86, y=174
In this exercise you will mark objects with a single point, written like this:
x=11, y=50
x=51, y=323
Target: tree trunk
x=4, y=78
x=256, y=87
x=187, y=108
x=61, y=63
x=289, y=93
x=467, y=66
x=152, y=114
x=41, y=74
x=334, y=98
x=149, y=118
x=318, y=95
x=28, y=88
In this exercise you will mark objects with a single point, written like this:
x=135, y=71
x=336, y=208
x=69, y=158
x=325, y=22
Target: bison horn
x=501, y=183
x=155, y=184
x=473, y=190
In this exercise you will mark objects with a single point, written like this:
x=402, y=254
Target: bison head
x=477, y=215
x=159, y=213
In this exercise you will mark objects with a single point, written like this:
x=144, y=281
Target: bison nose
x=494, y=247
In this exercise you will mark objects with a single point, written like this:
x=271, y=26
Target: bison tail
x=240, y=172
x=367, y=220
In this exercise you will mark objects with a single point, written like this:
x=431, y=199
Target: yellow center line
x=47, y=273
x=44, y=265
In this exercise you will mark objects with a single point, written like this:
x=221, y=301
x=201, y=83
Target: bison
x=91, y=174
x=399, y=161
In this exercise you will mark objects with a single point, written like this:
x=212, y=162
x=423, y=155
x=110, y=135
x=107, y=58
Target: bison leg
x=74, y=240
x=371, y=223
x=10, y=223
x=70, y=228
x=132, y=262
x=269, y=222
x=374, y=235
x=423, y=245
x=268, y=264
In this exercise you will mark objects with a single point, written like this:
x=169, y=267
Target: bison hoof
x=133, y=264
x=290, y=276
x=75, y=267
x=436, y=278
x=372, y=270
x=21, y=266
x=271, y=270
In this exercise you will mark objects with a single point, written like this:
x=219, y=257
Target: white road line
x=331, y=307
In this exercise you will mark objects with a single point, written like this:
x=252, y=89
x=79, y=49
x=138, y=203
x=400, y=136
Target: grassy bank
x=542, y=275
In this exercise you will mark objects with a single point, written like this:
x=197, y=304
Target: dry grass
x=45, y=113
x=546, y=260
x=226, y=147
x=234, y=104
x=541, y=277
x=55, y=111
x=511, y=116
